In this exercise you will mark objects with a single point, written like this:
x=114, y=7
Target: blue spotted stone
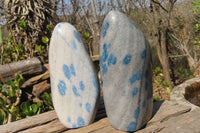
x=127, y=59
x=124, y=59
x=73, y=78
x=62, y=87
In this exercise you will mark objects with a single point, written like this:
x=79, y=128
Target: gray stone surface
x=74, y=85
x=177, y=94
x=125, y=62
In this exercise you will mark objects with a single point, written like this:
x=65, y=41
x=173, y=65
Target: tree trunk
x=95, y=34
x=165, y=59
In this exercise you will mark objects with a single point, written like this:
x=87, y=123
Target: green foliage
x=45, y=39
x=157, y=71
x=12, y=51
x=2, y=117
x=50, y=27
x=12, y=105
x=22, y=25
x=47, y=100
x=157, y=98
x=1, y=37
x=40, y=50
x=183, y=73
x=196, y=11
x=87, y=36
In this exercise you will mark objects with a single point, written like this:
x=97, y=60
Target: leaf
x=11, y=92
x=22, y=25
x=168, y=90
x=2, y=117
x=34, y=108
x=45, y=39
x=25, y=106
x=2, y=102
x=157, y=98
x=14, y=110
x=50, y=27
x=166, y=84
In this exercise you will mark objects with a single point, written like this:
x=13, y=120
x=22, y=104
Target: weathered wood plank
x=24, y=67
x=53, y=126
x=28, y=122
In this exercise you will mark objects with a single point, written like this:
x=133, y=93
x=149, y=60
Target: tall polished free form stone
x=74, y=85
x=126, y=73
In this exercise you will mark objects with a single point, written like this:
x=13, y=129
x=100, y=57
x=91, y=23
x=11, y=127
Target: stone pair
x=125, y=64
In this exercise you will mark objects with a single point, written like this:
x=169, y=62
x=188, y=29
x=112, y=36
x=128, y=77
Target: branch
x=158, y=3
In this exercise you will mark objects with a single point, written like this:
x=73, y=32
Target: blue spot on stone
x=127, y=59
x=114, y=60
x=74, y=126
x=80, y=104
x=81, y=85
x=146, y=85
x=105, y=53
x=144, y=103
x=75, y=91
x=95, y=83
x=143, y=54
x=104, y=69
x=66, y=72
x=62, y=87
x=132, y=126
x=104, y=29
x=135, y=77
x=69, y=119
x=74, y=44
x=88, y=107
x=109, y=45
x=110, y=59
x=72, y=69
x=102, y=82
x=59, y=25
x=134, y=92
x=134, y=25
x=80, y=122
x=146, y=73
x=77, y=36
x=137, y=112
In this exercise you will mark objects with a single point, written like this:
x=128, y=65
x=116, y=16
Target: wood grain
x=24, y=67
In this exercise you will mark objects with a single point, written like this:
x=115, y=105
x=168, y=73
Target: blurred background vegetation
x=172, y=28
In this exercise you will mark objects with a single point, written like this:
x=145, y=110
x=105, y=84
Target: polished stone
x=125, y=62
x=74, y=84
